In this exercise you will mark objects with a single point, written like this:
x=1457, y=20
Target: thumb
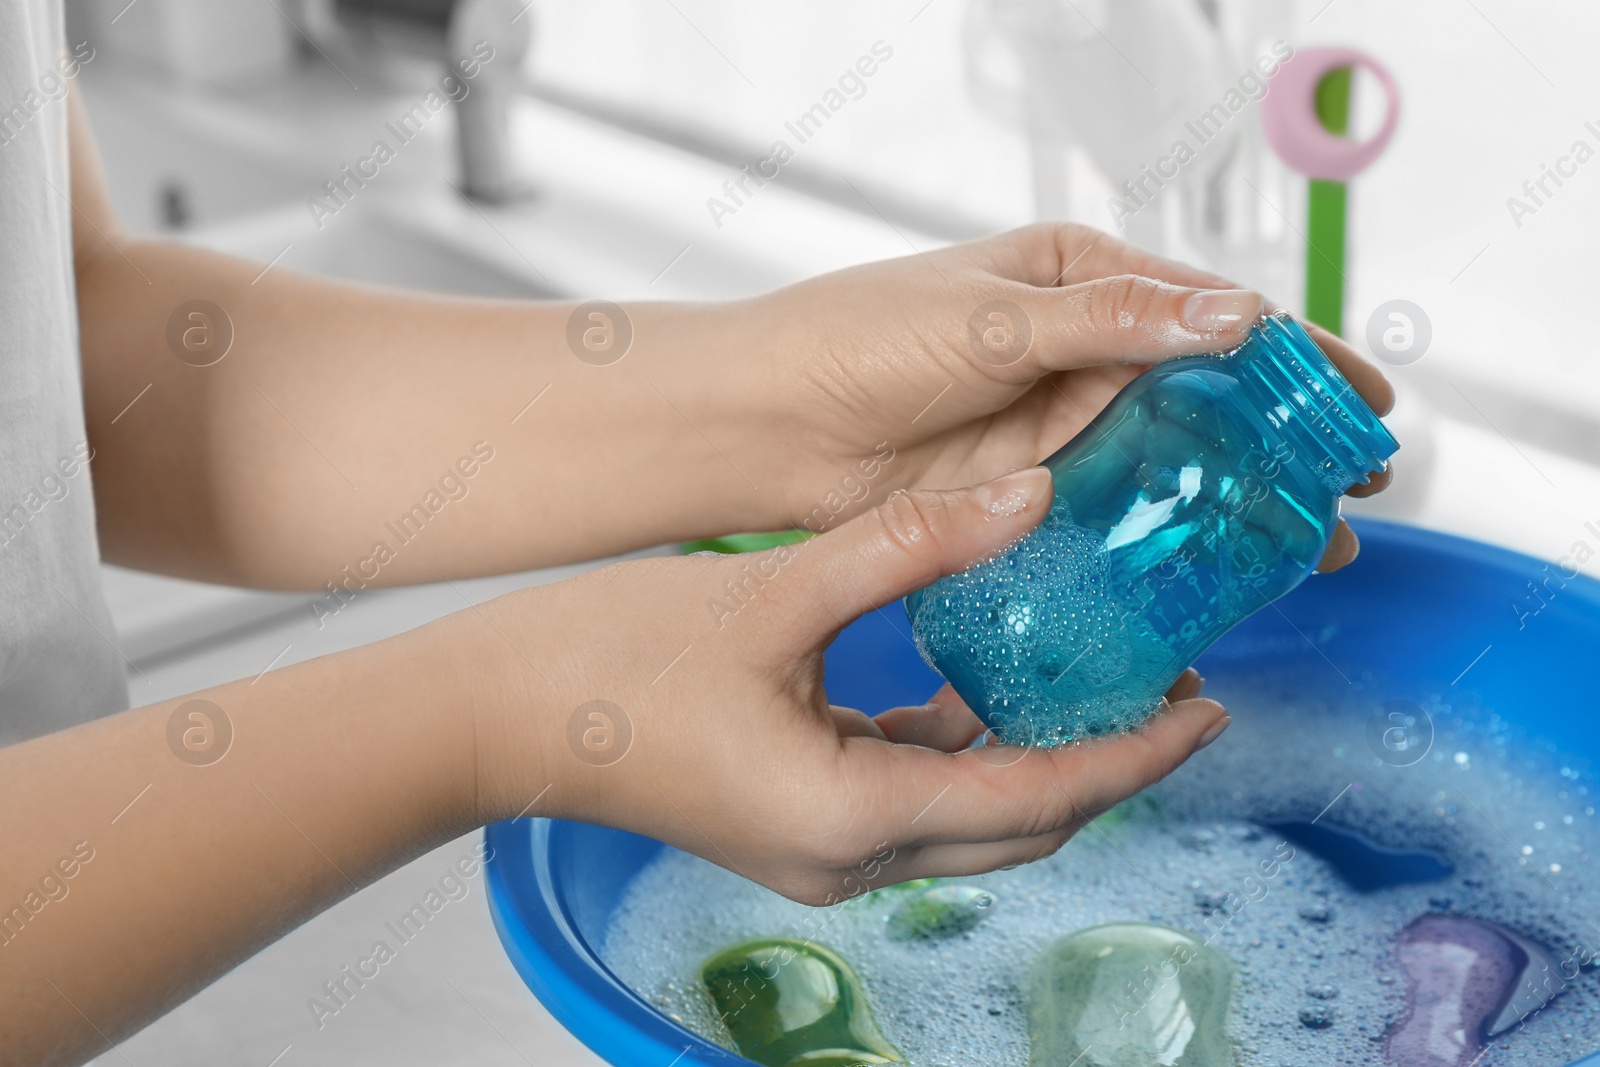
x=910, y=540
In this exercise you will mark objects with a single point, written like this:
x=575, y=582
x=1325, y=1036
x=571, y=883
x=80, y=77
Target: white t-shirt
x=58, y=665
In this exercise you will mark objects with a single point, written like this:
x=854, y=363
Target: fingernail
x=1214, y=310
x=1012, y=493
x=1213, y=733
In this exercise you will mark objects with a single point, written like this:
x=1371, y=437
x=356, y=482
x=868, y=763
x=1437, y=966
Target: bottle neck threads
x=1311, y=406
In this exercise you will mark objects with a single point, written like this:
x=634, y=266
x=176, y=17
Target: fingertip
x=911, y=540
x=1123, y=764
x=1187, y=686
x=1205, y=717
x=1013, y=493
x=945, y=723
x=1343, y=547
x=1221, y=312
x=1213, y=731
x=849, y=722
x=1375, y=484
x=1009, y=507
x=1375, y=387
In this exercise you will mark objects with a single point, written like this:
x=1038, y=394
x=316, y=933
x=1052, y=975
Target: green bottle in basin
x=789, y=1003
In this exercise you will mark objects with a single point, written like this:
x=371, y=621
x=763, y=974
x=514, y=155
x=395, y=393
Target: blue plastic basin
x=1416, y=608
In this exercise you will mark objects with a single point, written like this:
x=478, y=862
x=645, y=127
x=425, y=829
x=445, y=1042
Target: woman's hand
x=968, y=362
x=683, y=698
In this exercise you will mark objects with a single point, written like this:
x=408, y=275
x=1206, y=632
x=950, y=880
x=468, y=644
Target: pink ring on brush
x=1289, y=115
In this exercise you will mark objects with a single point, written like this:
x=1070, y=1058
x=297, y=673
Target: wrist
x=501, y=699
x=426, y=685
x=729, y=360
x=673, y=429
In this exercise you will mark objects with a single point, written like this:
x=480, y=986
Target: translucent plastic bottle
x=1205, y=490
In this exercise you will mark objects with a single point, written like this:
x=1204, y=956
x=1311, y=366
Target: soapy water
x=1319, y=981
x=1060, y=647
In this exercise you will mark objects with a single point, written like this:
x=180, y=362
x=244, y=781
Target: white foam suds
x=1517, y=823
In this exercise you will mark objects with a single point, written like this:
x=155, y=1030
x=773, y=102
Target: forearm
x=135, y=869
x=344, y=418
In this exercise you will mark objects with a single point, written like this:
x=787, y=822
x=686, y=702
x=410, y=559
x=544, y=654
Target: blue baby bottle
x=1206, y=489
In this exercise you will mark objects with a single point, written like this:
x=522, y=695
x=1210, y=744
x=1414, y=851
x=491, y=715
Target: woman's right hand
x=683, y=698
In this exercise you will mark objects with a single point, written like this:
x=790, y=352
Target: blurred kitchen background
x=582, y=162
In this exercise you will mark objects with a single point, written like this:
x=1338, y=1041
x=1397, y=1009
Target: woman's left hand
x=953, y=367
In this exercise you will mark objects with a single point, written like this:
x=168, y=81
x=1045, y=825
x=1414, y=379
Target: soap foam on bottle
x=1308, y=946
x=1071, y=660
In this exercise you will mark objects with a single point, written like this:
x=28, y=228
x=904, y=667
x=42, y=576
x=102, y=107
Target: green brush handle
x=1325, y=215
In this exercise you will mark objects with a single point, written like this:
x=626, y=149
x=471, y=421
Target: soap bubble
x=1316, y=913
x=1317, y=1017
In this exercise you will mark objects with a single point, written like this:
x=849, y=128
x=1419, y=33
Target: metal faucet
x=454, y=32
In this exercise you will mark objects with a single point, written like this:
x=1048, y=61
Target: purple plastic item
x=1289, y=115
x=1461, y=974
